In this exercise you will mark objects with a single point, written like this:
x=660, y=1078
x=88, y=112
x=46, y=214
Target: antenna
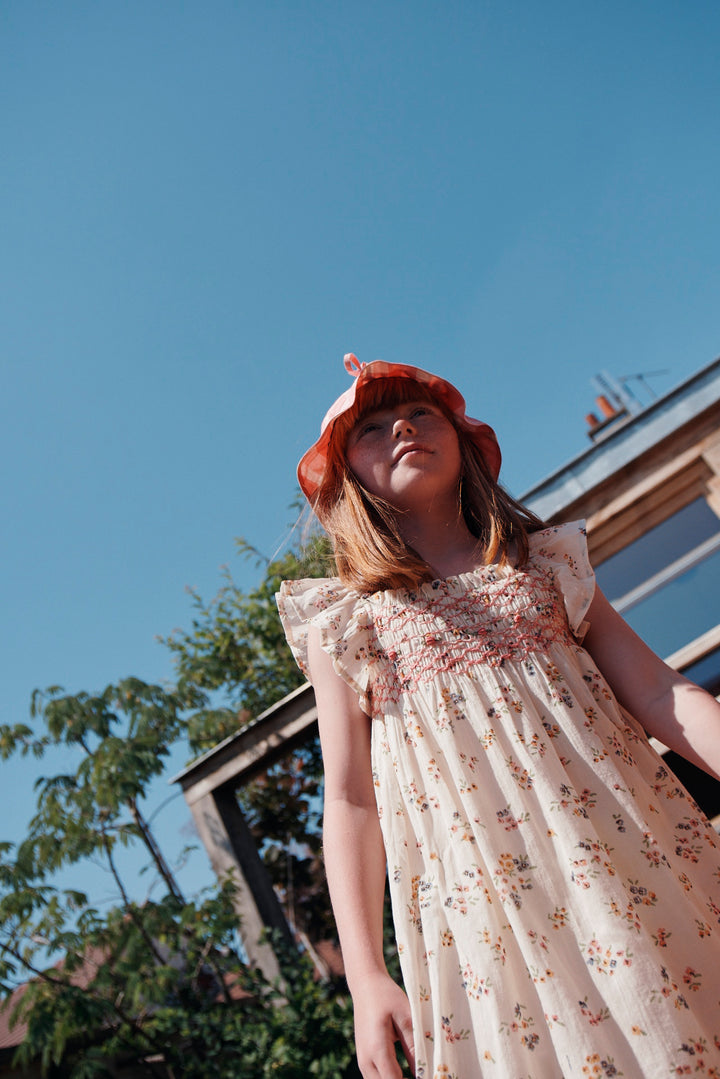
x=617, y=393
x=617, y=400
x=640, y=378
x=620, y=394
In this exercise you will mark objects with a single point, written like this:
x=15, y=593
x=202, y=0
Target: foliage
x=162, y=983
x=236, y=647
x=236, y=651
x=182, y=1022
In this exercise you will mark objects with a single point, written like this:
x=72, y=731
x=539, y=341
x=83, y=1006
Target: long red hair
x=370, y=553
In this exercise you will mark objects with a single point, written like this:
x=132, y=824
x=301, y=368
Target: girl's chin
x=420, y=501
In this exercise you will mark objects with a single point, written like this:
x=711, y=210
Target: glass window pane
x=657, y=548
x=706, y=672
x=681, y=610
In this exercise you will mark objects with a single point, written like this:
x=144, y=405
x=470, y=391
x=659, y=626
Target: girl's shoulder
x=562, y=550
x=338, y=613
x=310, y=595
x=565, y=543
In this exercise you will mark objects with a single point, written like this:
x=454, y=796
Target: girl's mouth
x=405, y=450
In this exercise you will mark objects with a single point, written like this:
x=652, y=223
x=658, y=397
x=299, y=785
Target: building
x=649, y=490
x=648, y=486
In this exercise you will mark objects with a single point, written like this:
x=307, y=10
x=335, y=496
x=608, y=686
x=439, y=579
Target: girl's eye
x=366, y=428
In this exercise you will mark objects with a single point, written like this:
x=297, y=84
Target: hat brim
x=313, y=464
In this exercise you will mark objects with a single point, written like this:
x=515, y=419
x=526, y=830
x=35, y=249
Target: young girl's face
x=406, y=453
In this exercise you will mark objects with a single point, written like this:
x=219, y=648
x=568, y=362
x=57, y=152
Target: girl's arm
x=681, y=715
x=355, y=866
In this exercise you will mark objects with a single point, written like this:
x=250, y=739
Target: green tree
x=235, y=652
x=235, y=649
x=162, y=983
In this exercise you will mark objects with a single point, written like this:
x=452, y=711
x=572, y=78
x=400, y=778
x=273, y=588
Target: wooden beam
x=278, y=730
x=227, y=839
x=209, y=786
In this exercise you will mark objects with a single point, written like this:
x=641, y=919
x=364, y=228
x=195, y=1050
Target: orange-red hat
x=311, y=470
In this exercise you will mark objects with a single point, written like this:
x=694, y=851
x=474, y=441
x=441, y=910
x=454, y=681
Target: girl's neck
x=445, y=543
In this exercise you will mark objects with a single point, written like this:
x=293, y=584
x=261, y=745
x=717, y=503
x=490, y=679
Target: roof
x=10, y=1038
x=624, y=441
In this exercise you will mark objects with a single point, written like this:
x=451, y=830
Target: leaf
x=141, y=981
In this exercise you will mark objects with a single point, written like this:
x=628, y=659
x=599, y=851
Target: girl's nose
x=401, y=427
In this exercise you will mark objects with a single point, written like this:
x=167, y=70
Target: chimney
x=608, y=410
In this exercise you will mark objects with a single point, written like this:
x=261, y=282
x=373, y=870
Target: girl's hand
x=356, y=865
x=382, y=1017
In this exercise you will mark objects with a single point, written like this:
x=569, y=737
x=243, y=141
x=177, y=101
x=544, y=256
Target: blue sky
x=204, y=205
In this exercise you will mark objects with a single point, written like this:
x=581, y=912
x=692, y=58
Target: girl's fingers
x=382, y=1018
x=379, y=1070
x=403, y=1025
x=408, y=1046
x=384, y=1064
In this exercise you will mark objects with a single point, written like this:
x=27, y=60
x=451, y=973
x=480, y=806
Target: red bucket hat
x=312, y=467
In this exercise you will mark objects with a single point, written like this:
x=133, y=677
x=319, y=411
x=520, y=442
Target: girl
x=555, y=891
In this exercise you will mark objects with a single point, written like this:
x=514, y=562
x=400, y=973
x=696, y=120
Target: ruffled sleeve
x=563, y=550
x=344, y=622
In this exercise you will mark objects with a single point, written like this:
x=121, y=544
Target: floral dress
x=555, y=891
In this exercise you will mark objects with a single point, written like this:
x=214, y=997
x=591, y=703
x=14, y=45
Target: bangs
x=377, y=394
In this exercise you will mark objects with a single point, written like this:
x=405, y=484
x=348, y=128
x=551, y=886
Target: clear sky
x=204, y=205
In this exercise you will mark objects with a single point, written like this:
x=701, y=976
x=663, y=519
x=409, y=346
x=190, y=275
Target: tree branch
x=155, y=852
x=129, y=905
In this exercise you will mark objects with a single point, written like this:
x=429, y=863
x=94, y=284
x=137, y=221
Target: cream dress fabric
x=555, y=891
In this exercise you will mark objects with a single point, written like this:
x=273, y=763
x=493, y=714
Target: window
x=706, y=672
x=667, y=583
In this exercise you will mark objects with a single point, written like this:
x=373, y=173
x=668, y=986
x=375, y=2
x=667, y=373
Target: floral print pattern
x=555, y=890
